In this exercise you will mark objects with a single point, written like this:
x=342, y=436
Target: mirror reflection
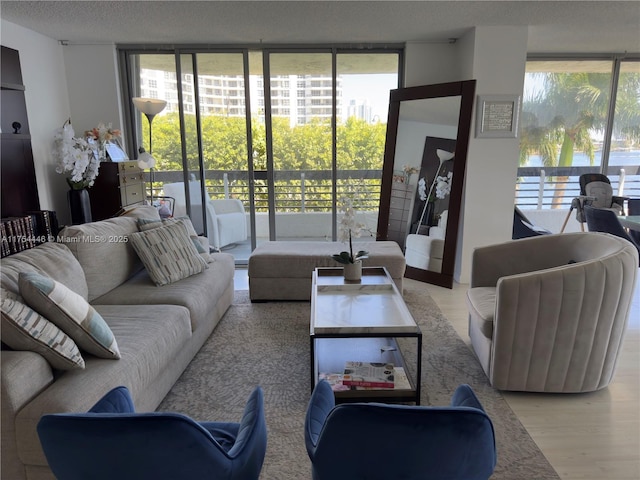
x=425, y=147
x=425, y=159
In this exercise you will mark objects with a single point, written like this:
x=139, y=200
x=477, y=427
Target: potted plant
x=348, y=229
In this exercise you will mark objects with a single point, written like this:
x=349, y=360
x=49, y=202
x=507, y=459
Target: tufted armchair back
x=549, y=313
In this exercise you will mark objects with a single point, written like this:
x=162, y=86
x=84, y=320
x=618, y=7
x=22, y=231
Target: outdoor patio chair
x=226, y=218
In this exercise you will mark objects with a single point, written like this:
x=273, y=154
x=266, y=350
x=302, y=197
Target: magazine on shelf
x=369, y=374
x=401, y=381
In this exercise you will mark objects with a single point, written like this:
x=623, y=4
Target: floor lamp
x=150, y=107
x=443, y=156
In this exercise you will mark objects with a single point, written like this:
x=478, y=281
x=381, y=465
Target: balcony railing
x=295, y=190
x=311, y=190
x=555, y=187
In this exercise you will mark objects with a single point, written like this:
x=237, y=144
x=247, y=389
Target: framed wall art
x=497, y=116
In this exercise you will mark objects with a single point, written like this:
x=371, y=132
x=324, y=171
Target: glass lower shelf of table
x=329, y=356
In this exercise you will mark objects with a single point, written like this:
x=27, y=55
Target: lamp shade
x=443, y=155
x=146, y=160
x=149, y=106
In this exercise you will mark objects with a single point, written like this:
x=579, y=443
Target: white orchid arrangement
x=75, y=157
x=443, y=185
x=348, y=229
x=422, y=188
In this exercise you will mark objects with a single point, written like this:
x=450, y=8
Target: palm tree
x=563, y=114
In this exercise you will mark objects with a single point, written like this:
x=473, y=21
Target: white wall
x=43, y=75
x=496, y=58
x=94, y=88
x=429, y=63
x=61, y=82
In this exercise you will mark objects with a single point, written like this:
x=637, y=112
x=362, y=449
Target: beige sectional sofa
x=158, y=332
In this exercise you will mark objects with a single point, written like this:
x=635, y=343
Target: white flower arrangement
x=75, y=157
x=348, y=228
x=422, y=188
x=443, y=185
x=102, y=133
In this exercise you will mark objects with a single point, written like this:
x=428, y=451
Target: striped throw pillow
x=168, y=253
x=70, y=312
x=201, y=243
x=26, y=330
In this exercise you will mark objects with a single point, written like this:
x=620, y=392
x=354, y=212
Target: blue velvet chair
x=523, y=227
x=602, y=220
x=379, y=441
x=113, y=442
x=633, y=208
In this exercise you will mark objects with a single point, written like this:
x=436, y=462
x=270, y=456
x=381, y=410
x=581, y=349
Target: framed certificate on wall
x=497, y=116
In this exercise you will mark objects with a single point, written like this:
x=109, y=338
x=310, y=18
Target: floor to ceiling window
x=284, y=132
x=578, y=116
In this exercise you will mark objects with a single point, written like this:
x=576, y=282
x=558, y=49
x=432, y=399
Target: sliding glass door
x=284, y=133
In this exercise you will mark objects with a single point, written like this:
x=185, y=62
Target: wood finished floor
x=593, y=436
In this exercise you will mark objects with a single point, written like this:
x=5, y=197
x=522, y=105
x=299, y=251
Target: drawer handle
x=133, y=194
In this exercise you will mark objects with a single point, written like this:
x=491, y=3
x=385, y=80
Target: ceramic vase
x=353, y=271
x=80, y=206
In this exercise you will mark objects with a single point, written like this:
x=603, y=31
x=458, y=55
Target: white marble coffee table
x=361, y=322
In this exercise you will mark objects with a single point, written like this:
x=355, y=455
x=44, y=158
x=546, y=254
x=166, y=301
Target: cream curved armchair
x=549, y=313
x=226, y=219
x=226, y=222
x=426, y=251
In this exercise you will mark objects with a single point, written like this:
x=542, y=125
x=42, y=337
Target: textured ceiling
x=554, y=26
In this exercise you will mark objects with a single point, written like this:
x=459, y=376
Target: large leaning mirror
x=423, y=176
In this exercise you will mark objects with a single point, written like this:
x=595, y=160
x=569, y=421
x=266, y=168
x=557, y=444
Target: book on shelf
x=369, y=374
x=401, y=381
x=335, y=380
x=27, y=231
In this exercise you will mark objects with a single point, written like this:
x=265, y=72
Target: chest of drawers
x=119, y=184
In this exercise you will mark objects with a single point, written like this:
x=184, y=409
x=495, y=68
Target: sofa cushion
x=168, y=253
x=199, y=293
x=145, y=224
x=25, y=329
x=104, y=252
x=51, y=259
x=140, y=211
x=151, y=337
x=70, y=312
x=482, y=306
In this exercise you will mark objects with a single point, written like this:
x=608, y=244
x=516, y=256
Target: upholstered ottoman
x=282, y=270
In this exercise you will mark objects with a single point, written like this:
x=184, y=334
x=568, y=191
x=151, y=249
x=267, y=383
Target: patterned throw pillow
x=146, y=224
x=70, y=312
x=24, y=329
x=168, y=253
x=202, y=246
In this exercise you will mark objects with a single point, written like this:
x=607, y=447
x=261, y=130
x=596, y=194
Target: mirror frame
x=466, y=90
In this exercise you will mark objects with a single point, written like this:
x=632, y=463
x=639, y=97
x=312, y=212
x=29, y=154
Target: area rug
x=267, y=344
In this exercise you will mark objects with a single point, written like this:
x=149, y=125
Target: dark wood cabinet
x=118, y=185
x=19, y=187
